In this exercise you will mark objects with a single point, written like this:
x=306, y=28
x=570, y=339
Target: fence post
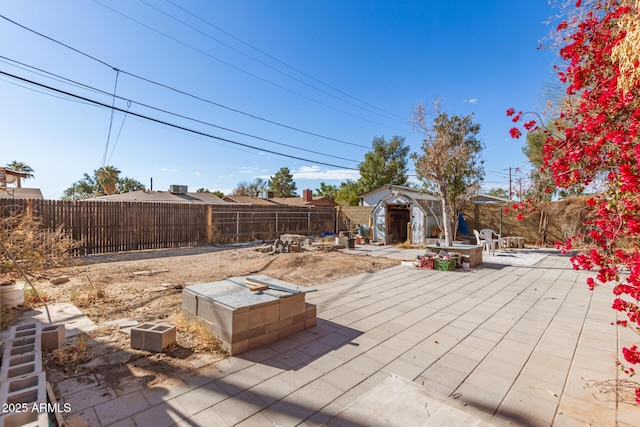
x=237, y=226
x=209, y=224
x=309, y=221
x=276, y=233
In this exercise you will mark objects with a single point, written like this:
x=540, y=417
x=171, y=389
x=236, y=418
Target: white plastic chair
x=487, y=234
x=482, y=242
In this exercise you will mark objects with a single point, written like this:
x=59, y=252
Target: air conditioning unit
x=178, y=189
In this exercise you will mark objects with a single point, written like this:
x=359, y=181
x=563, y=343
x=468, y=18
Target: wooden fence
x=104, y=227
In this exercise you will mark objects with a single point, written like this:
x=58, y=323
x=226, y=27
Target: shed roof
x=414, y=193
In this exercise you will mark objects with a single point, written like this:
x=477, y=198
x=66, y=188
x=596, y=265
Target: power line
x=228, y=64
x=180, y=115
x=264, y=63
x=152, y=119
x=113, y=112
x=279, y=61
x=180, y=91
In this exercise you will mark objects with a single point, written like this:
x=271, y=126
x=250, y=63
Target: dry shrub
x=33, y=299
x=194, y=334
x=9, y=316
x=404, y=245
x=568, y=216
x=36, y=248
x=69, y=355
x=87, y=296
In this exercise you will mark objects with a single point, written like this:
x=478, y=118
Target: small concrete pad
x=400, y=402
x=63, y=313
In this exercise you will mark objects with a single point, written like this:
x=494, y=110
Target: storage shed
x=400, y=215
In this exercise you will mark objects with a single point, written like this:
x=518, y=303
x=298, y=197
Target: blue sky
x=358, y=68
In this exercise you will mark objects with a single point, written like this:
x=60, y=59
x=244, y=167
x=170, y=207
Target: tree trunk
x=446, y=217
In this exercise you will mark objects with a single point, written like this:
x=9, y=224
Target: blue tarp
x=463, y=229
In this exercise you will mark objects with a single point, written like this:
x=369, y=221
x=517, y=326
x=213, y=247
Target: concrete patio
x=522, y=344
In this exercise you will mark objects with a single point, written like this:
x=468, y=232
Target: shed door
x=380, y=224
x=418, y=225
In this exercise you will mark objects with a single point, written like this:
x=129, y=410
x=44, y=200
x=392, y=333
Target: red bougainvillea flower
x=598, y=140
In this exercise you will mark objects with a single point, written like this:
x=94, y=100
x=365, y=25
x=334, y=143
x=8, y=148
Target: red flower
x=511, y=112
x=631, y=354
x=530, y=124
x=515, y=133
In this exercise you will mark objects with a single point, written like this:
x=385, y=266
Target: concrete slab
x=400, y=402
x=61, y=314
x=524, y=344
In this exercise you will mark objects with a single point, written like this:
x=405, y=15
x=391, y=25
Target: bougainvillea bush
x=598, y=143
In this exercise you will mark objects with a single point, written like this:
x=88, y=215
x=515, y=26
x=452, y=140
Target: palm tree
x=108, y=178
x=21, y=167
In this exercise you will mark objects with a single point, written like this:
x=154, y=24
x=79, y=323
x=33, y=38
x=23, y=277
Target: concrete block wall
x=22, y=380
x=251, y=327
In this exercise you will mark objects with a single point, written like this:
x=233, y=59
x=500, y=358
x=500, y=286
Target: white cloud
x=197, y=173
x=316, y=172
x=168, y=169
x=247, y=169
x=471, y=100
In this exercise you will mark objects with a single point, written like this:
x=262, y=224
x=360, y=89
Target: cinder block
x=189, y=302
x=52, y=337
x=291, y=306
x=215, y=314
x=290, y=330
x=24, y=331
x=264, y=339
x=281, y=324
x=26, y=394
x=19, y=365
x=25, y=419
x=237, y=347
x=153, y=336
x=311, y=311
x=13, y=362
x=263, y=314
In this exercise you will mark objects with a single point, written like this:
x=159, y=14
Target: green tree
x=385, y=164
x=449, y=164
x=252, y=189
x=218, y=193
x=94, y=185
x=347, y=194
x=328, y=191
x=82, y=189
x=126, y=184
x=203, y=190
x=281, y=183
x=107, y=179
x=21, y=167
x=498, y=192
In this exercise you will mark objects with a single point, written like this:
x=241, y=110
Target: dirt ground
x=147, y=286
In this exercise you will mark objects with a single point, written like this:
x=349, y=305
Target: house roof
x=160, y=196
x=486, y=198
x=248, y=200
x=21, y=193
x=299, y=201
